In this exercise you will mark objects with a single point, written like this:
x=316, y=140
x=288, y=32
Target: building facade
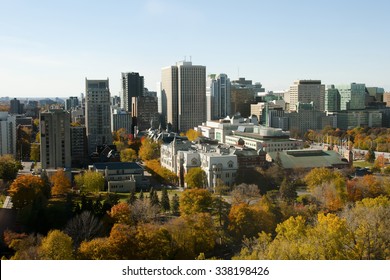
x=145, y=110
x=97, y=113
x=352, y=96
x=79, y=146
x=306, y=91
x=55, y=139
x=184, y=86
x=132, y=86
x=7, y=134
x=332, y=99
x=120, y=119
x=16, y=108
x=71, y=103
x=218, y=96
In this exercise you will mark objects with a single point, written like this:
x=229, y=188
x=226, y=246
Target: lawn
x=362, y=164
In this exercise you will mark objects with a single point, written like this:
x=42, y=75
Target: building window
x=230, y=164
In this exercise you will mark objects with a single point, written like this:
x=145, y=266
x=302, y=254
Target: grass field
x=362, y=164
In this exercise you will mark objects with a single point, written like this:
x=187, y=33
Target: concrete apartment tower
x=306, y=91
x=218, y=97
x=7, y=134
x=97, y=113
x=55, y=139
x=184, y=86
x=132, y=86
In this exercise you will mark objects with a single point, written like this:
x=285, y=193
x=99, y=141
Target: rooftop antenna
x=185, y=57
x=190, y=58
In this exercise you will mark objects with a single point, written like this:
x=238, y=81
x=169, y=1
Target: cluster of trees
x=365, y=138
x=9, y=168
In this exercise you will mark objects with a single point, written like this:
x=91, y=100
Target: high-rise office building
x=132, y=86
x=352, y=96
x=16, y=108
x=71, y=103
x=184, y=86
x=97, y=113
x=243, y=94
x=7, y=134
x=218, y=97
x=306, y=91
x=55, y=139
x=120, y=119
x=332, y=99
x=79, y=145
x=145, y=110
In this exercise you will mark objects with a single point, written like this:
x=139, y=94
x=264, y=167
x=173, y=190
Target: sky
x=48, y=48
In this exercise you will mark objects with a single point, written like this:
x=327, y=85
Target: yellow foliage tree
x=56, y=246
x=61, y=184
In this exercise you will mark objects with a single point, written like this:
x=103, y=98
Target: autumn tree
x=195, y=178
x=192, y=234
x=192, y=134
x=195, y=201
x=25, y=246
x=96, y=249
x=9, y=167
x=370, y=224
x=56, y=246
x=149, y=149
x=90, y=181
x=154, y=242
x=122, y=242
x=61, y=184
x=25, y=190
x=128, y=154
x=120, y=213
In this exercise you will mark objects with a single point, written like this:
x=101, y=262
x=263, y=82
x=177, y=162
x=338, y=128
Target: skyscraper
x=306, y=91
x=332, y=99
x=16, y=107
x=7, y=134
x=218, y=97
x=353, y=96
x=55, y=139
x=71, y=103
x=184, y=86
x=97, y=113
x=132, y=86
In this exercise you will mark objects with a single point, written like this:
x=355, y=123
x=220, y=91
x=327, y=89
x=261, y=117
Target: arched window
x=230, y=164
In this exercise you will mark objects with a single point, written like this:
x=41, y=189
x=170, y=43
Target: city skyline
x=48, y=49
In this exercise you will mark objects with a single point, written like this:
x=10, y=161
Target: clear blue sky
x=47, y=48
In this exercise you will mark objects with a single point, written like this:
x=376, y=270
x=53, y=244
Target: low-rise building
x=122, y=176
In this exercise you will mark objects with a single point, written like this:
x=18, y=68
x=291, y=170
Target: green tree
x=288, y=191
x=128, y=154
x=56, y=246
x=370, y=156
x=35, y=153
x=165, y=203
x=195, y=178
x=132, y=197
x=175, y=205
x=153, y=197
x=90, y=181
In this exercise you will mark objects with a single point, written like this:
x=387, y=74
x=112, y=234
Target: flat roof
x=308, y=158
x=117, y=165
